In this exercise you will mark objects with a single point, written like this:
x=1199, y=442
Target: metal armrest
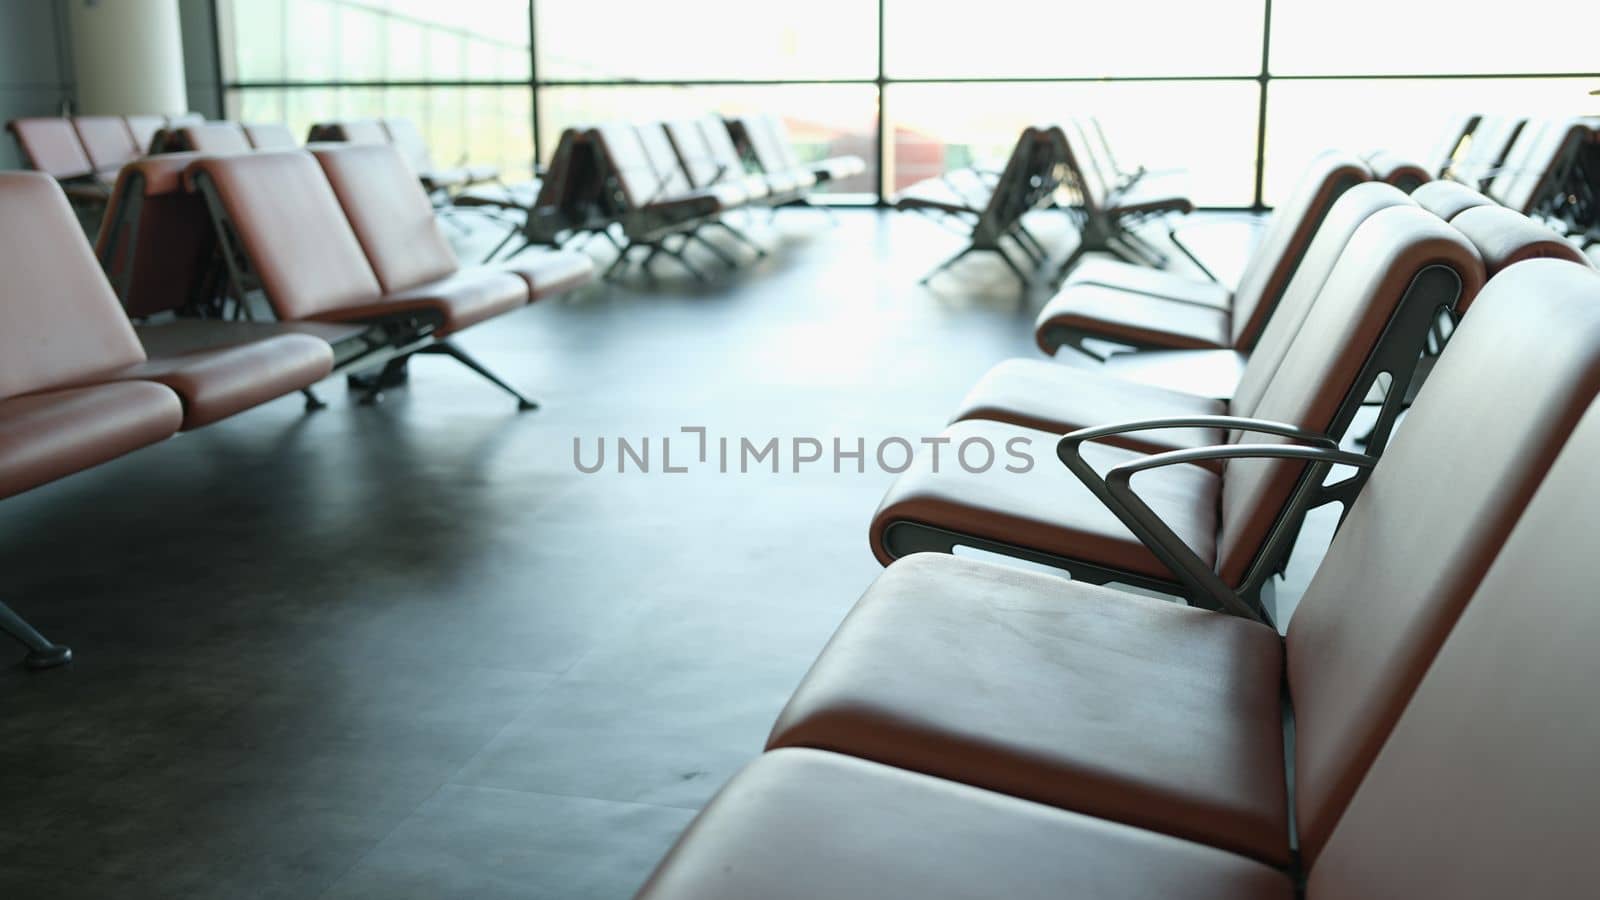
x=1239, y=423
x=1116, y=493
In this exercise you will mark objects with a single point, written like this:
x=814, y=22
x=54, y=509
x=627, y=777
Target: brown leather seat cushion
x=107, y=141
x=216, y=382
x=51, y=146
x=461, y=300
x=552, y=272
x=1133, y=318
x=799, y=825
x=1155, y=282
x=1052, y=397
x=1504, y=237
x=53, y=434
x=1136, y=710
x=1046, y=508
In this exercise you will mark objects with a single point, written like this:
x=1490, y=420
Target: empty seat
x=107, y=142
x=1485, y=151
x=1446, y=199
x=1403, y=173
x=1533, y=177
x=409, y=141
x=1401, y=266
x=144, y=130
x=353, y=239
x=214, y=137
x=269, y=136
x=757, y=137
x=1047, y=396
x=1442, y=617
x=1105, y=208
x=1169, y=311
x=212, y=381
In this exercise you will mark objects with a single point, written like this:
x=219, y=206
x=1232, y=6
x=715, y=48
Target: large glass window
x=460, y=70
x=1176, y=84
x=1034, y=39
x=735, y=40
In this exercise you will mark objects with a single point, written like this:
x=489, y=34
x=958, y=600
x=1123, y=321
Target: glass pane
x=1206, y=129
x=1306, y=117
x=823, y=120
x=604, y=40
x=1375, y=37
x=378, y=40
x=487, y=125
x=1031, y=39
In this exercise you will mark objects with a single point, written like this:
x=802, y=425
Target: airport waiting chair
x=108, y=142
x=1213, y=537
x=1537, y=175
x=1046, y=396
x=1485, y=150
x=50, y=144
x=269, y=136
x=647, y=191
x=210, y=137
x=1134, y=305
x=1403, y=173
x=765, y=138
x=357, y=242
x=993, y=207
x=1104, y=210
x=406, y=138
x=985, y=731
x=1447, y=199
x=144, y=129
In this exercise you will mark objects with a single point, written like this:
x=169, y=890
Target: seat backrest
x=1536, y=161
x=50, y=145
x=781, y=141
x=390, y=213
x=1392, y=168
x=63, y=325
x=1455, y=132
x=1348, y=213
x=1319, y=385
x=1486, y=149
x=758, y=140
x=1017, y=190
x=1071, y=145
x=182, y=119
x=1486, y=784
x=407, y=138
x=1287, y=236
x=143, y=130
x=696, y=155
x=157, y=243
x=215, y=137
x=720, y=142
x=289, y=224
x=1090, y=152
x=1504, y=237
x=1446, y=199
x=354, y=131
x=107, y=141
x=625, y=159
x=1504, y=398
x=270, y=136
x=670, y=175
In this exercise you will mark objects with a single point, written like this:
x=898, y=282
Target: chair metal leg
x=449, y=349
x=684, y=261
x=313, y=402
x=393, y=374
x=42, y=654
x=946, y=264
x=1017, y=270
x=741, y=237
x=713, y=249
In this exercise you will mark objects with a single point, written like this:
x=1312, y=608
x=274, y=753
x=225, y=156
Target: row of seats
x=404, y=136
x=222, y=136
x=661, y=182
x=1424, y=728
x=1547, y=168
x=85, y=153
x=1071, y=167
x=340, y=244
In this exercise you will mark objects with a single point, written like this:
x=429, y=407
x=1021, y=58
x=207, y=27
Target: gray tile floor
x=410, y=651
